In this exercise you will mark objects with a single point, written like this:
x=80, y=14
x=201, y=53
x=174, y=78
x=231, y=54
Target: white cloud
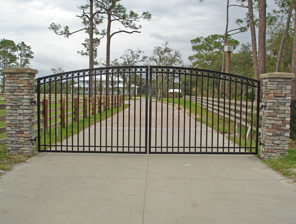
x=176, y=21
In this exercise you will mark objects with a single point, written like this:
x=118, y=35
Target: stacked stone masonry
x=275, y=131
x=20, y=110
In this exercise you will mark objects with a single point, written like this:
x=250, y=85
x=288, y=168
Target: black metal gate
x=141, y=108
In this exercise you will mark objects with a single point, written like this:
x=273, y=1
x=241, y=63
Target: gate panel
x=199, y=111
x=107, y=116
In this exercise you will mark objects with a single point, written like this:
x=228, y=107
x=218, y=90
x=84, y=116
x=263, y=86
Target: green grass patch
x=7, y=161
x=285, y=165
x=50, y=136
x=219, y=123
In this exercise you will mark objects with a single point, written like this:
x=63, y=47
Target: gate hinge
x=34, y=139
x=263, y=105
x=34, y=102
x=261, y=144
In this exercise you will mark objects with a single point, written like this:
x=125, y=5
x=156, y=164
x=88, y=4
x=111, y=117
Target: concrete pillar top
x=19, y=70
x=277, y=75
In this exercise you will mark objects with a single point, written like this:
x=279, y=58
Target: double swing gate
x=148, y=108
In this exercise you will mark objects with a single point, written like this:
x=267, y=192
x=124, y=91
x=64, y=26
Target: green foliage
x=8, y=51
x=209, y=51
x=25, y=54
x=242, y=62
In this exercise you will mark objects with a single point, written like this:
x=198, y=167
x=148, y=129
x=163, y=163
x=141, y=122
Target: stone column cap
x=277, y=75
x=19, y=70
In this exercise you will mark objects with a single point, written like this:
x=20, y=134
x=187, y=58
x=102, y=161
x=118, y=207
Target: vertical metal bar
x=213, y=108
x=190, y=112
x=195, y=119
x=38, y=114
x=240, y=119
x=150, y=108
x=167, y=130
x=162, y=110
x=219, y=98
x=56, y=120
x=118, y=110
x=95, y=108
x=179, y=105
x=73, y=112
x=235, y=125
x=258, y=111
x=156, y=111
x=44, y=119
x=207, y=122
x=173, y=117
x=67, y=102
x=146, y=112
x=252, y=109
x=129, y=108
x=89, y=108
x=112, y=106
x=78, y=79
x=201, y=109
x=246, y=117
x=135, y=105
x=101, y=90
x=83, y=100
x=106, y=108
x=184, y=112
x=123, y=118
x=140, y=115
x=229, y=120
x=49, y=110
x=224, y=112
x=61, y=89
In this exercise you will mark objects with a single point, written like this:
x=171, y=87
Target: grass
x=285, y=165
x=219, y=123
x=50, y=136
x=7, y=161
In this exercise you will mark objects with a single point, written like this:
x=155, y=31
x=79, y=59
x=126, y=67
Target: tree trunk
x=262, y=36
x=284, y=38
x=108, y=50
x=253, y=38
x=91, y=50
x=293, y=85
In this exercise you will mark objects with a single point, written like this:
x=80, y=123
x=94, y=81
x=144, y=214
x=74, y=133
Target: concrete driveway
x=151, y=189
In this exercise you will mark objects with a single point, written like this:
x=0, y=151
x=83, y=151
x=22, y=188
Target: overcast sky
x=175, y=21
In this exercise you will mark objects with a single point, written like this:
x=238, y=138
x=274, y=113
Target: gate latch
x=263, y=105
x=34, y=102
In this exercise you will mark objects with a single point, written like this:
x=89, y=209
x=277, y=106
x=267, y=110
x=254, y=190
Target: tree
x=90, y=20
x=164, y=56
x=25, y=54
x=262, y=37
x=116, y=12
x=209, y=51
x=283, y=5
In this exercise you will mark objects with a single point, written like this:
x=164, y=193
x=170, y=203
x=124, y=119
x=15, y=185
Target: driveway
x=149, y=189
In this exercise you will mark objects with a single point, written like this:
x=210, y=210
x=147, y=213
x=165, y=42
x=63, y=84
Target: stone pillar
x=275, y=127
x=20, y=109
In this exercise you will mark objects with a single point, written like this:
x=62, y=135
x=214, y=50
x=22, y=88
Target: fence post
x=45, y=113
x=85, y=107
x=108, y=100
x=76, y=109
x=275, y=127
x=20, y=110
x=104, y=103
x=63, y=113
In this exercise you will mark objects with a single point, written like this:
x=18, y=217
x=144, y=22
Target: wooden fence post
x=114, y=101
x=104, y=103
x=93, y=105
x=99, y=104
x=45, y=113
x=63, y=113
x=109, y=102
x=85, y=107
x=76, y=109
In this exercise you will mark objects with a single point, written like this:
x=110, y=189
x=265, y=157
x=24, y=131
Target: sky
x=174, y=21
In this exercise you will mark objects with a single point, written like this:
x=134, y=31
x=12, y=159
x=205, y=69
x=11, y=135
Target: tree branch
x=241, y=6
x=124, y=31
